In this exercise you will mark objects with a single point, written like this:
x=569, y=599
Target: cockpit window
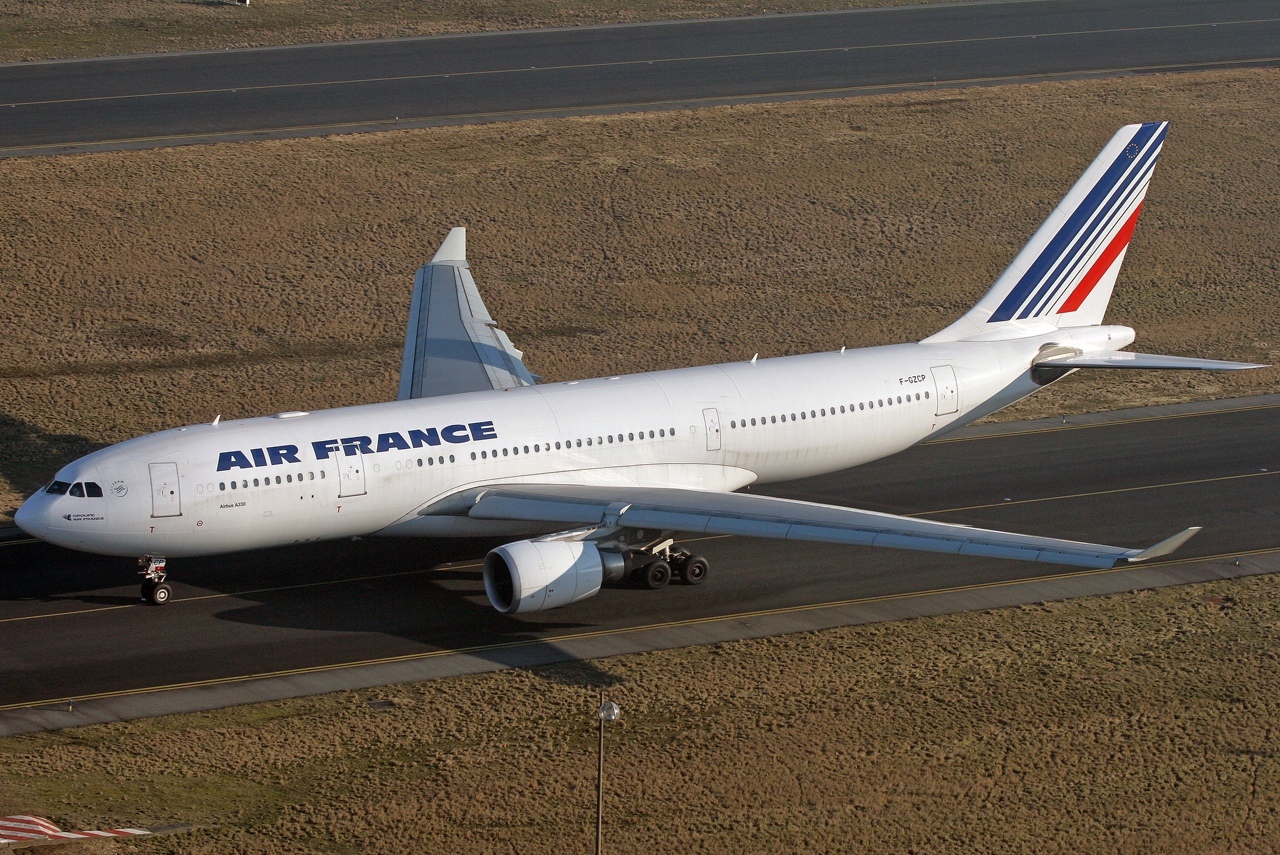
x=92, y=490
x=58, y=488
x=77, y=489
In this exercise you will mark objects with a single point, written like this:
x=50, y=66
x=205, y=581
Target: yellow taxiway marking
x=834, y=91
x=441, y=75
x=1092, y=493
x=1002, y=504
x=602, y=633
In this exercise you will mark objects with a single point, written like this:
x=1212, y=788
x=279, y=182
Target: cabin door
x=944, y=383
x=712, y=417
x=350, y=474
x=166, y=496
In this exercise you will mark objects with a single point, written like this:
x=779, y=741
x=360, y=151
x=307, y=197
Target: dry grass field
x=57, y=29
x=143, y=290
x=1140, y=723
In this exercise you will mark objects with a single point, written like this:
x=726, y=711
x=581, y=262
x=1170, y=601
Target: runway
x=147, y=101
x=283, y=622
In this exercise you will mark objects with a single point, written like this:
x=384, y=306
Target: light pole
x=609, y=711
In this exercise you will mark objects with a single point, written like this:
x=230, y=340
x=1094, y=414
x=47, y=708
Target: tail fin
x=1065, y=275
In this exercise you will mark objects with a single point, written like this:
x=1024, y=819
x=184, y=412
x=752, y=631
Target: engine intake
x=534, y=575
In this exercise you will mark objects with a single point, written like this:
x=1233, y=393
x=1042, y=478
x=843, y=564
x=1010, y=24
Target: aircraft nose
x=30, y=517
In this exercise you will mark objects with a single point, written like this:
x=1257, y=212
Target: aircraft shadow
x=30, y=455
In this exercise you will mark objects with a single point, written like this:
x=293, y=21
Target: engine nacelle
x=533, y=575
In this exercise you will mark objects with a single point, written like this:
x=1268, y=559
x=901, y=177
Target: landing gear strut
x=154, y=589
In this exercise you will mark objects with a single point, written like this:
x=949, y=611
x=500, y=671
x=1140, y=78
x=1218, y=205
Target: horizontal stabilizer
x=1125, y=359
x=674, y=509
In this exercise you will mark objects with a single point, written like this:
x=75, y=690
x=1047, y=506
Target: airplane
x=593, y=479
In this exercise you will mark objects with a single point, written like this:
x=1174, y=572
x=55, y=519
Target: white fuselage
x=373, y=469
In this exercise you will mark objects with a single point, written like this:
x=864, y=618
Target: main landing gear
x=654, y=564
x=154, y=588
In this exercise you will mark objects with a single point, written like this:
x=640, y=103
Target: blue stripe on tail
x=1062, y=252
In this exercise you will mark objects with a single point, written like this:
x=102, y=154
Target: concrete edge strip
x=596, y=644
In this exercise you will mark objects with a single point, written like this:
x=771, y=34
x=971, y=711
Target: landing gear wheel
x=156, y=593
x=655, y=575
x=694, y=570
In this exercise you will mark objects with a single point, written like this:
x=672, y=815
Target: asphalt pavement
x=244, y=627
x=168, y=99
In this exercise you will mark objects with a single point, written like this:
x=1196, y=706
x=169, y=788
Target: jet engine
x=534, y=575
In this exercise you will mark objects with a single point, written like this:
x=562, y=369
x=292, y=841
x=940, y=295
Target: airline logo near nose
x=350, y=446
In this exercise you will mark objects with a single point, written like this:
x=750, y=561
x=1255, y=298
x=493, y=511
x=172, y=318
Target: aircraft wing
x=453, y=345
x=704, y=512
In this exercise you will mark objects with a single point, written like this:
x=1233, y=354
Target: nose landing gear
x=154, y=589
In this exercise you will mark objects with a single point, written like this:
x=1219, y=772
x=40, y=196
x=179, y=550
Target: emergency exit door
x=166, y=495
x=947, y=392
x=712, y=417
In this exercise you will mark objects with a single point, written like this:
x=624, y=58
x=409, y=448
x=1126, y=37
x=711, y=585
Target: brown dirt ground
x=57, y=29
x=144, y=290
x=1139, y=723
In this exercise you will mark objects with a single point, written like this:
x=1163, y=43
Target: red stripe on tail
x=1103, y=264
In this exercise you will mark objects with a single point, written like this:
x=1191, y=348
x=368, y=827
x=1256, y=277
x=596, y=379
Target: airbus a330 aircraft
x=614, y=467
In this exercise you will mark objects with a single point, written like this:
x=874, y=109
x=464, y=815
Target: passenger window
x=321, y=474
x=420, y=462
x=611, y=439
x=504, y=452
x=631, y=436
x=222, y=485
x=672, y=431
x=77, y=490
x=58, y=488
x=289, y=478
x=431, y=461
x=92, y=490
x=812, y=414
x=926, y=396
x=899, y=399
x=450, y=459
x=802, y=414
x=277, y=479
x=473, y=455
x=823, y=411
x=773, y=419
x=650, y=434
x=255, y=482
x=588, y=441
x=245, y=483
x=233, y=485
x=662, y=433
x=536, y=448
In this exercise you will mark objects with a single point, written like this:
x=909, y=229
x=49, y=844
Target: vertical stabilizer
x=1064, y=276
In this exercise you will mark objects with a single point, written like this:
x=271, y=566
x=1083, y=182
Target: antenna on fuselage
x=753, y=359
x=217, y=419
